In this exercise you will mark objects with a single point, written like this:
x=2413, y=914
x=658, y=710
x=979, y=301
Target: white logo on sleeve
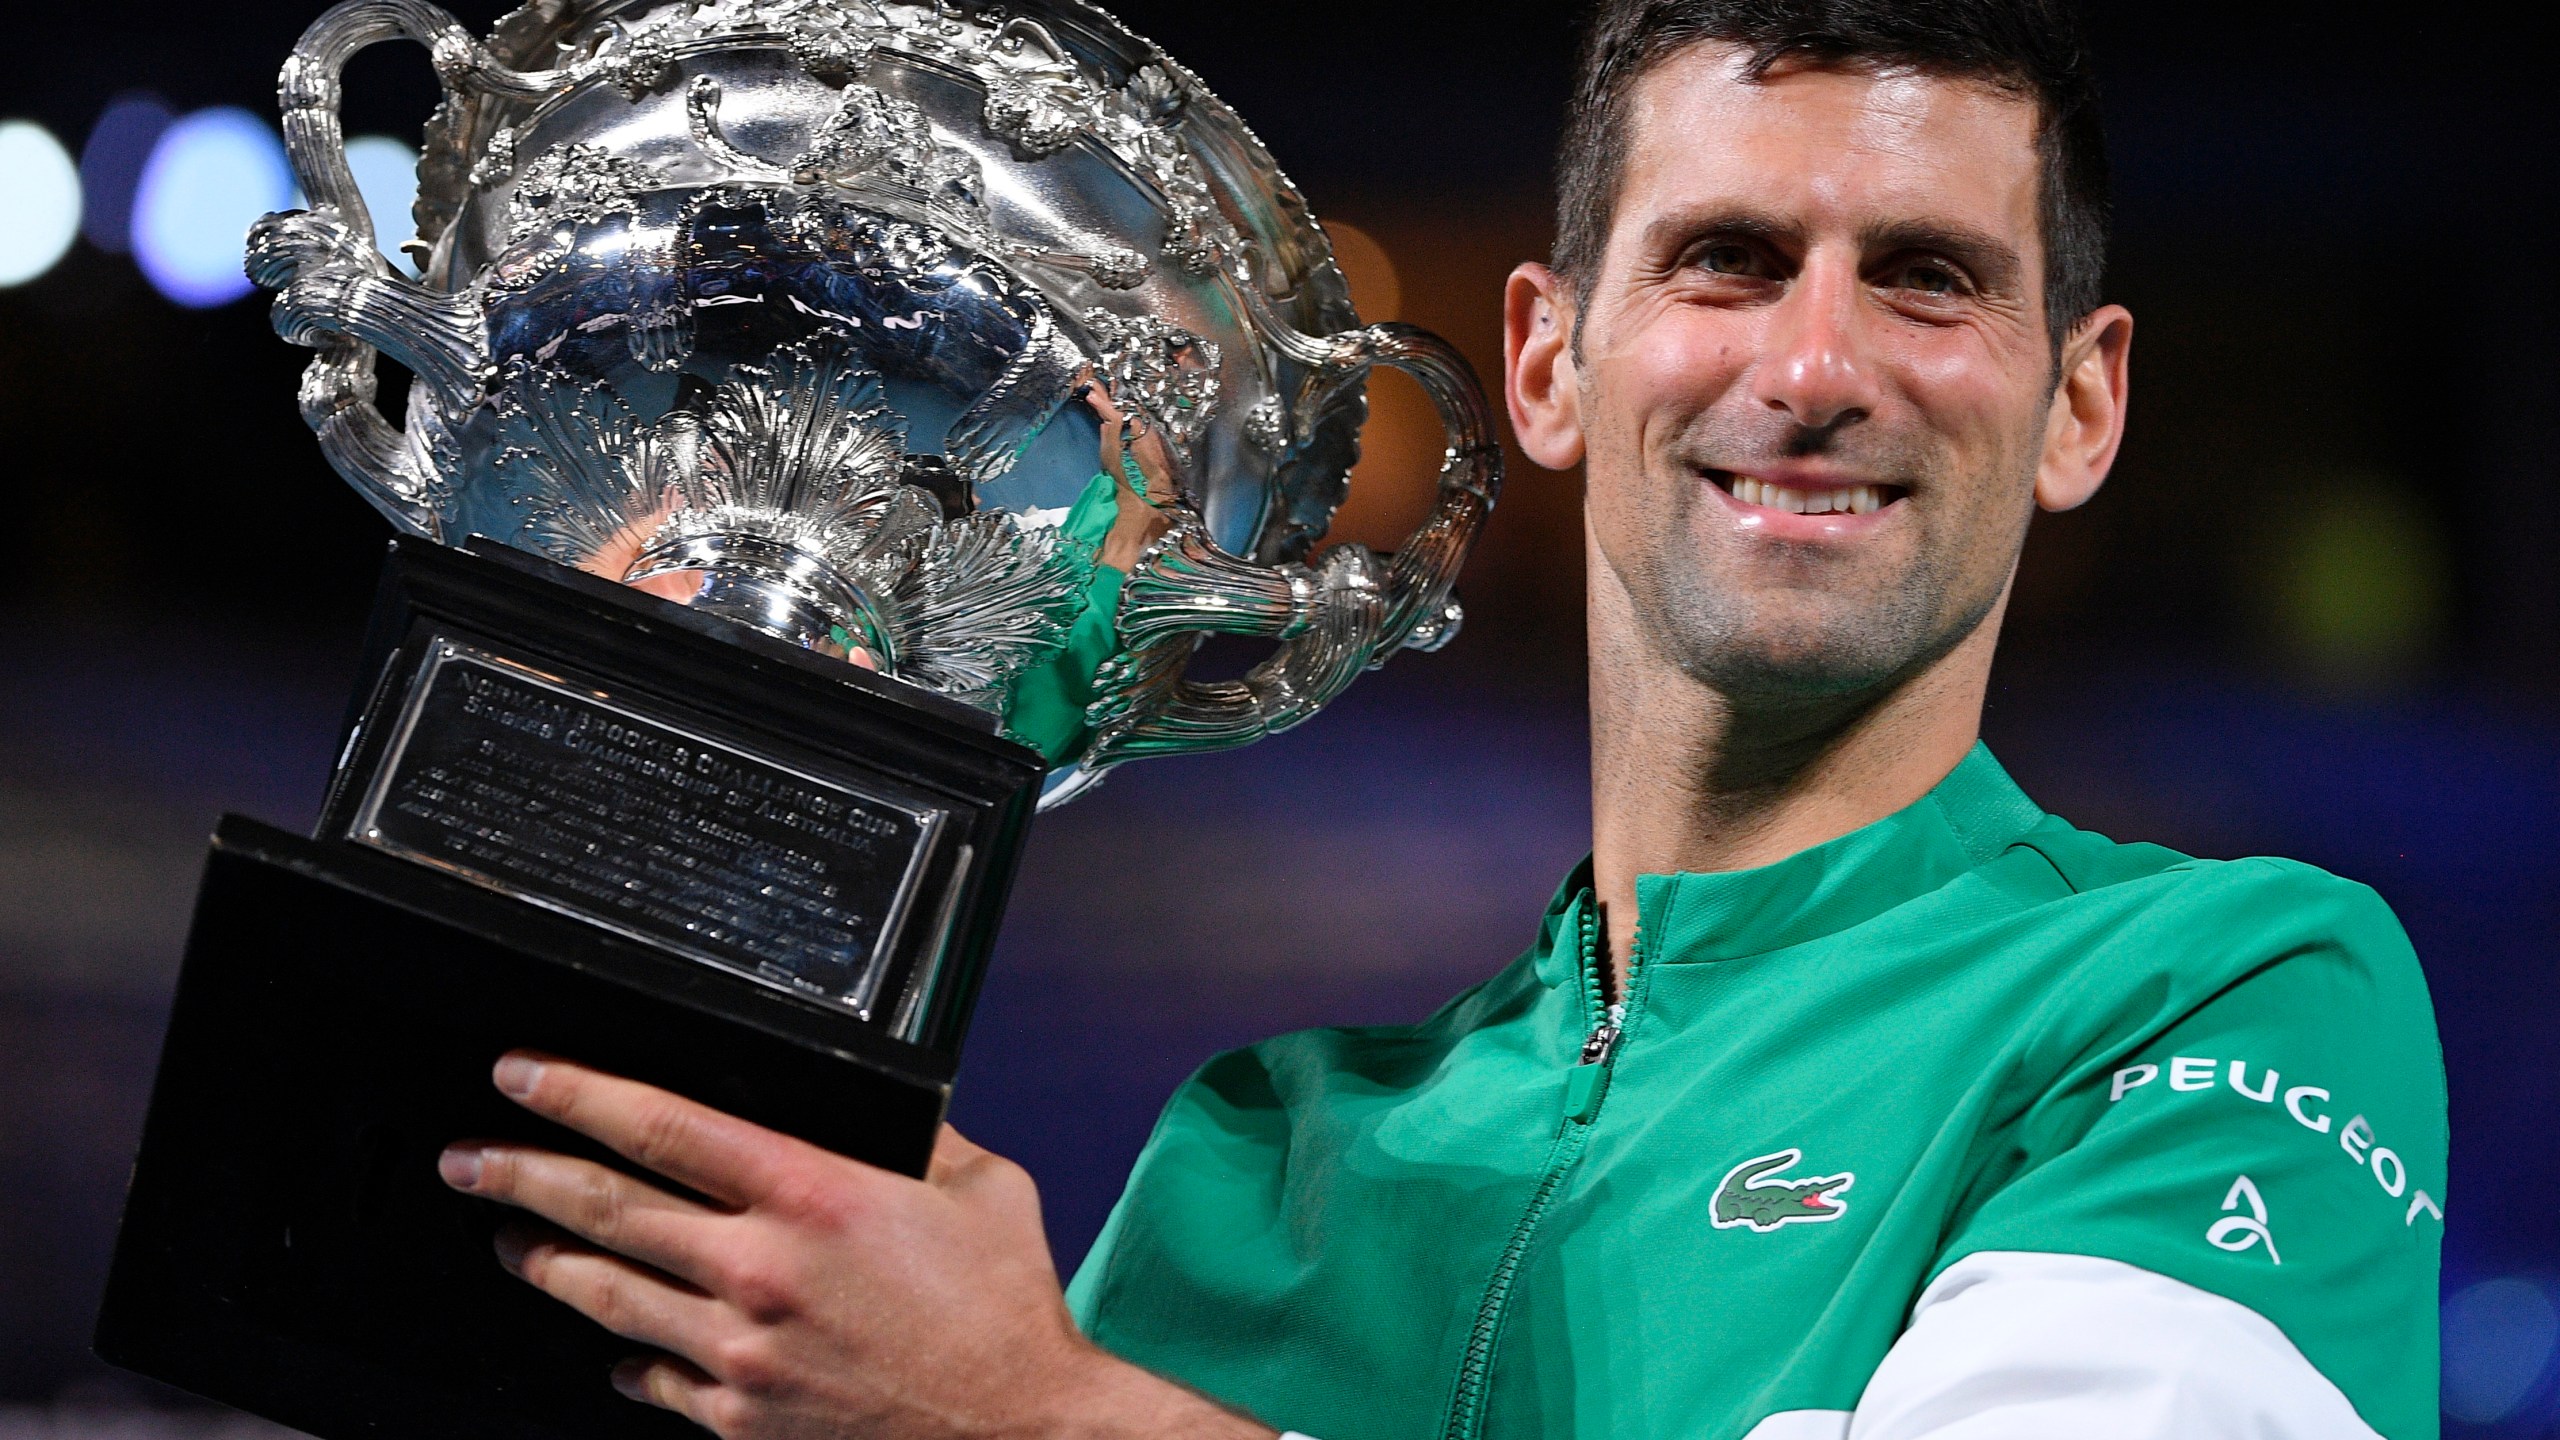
x=2236, y=1233
x=2355, y=1138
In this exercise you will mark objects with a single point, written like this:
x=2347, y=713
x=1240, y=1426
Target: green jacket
x=1968, y=1030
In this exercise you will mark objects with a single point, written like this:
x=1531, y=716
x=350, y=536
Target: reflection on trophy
x=794, y=300
x=833, y=427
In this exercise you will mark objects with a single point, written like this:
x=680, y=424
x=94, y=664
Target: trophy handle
x=1346, y=613
x=335, y=292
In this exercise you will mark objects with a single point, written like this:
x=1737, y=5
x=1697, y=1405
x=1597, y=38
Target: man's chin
x=1809, y=658
x=1763, y=678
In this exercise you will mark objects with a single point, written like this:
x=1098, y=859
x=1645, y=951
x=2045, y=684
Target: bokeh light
x=2498, y=1340
x=39, y=201
x=1392, y=486
x=111, y=166
x=386, y=174
x=1377, y=291
x=208, y=180
x=2360, y=581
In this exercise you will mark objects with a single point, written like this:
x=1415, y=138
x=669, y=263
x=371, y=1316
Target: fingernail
x=517, y=1075
x=626, y=1378
x=460, y=1166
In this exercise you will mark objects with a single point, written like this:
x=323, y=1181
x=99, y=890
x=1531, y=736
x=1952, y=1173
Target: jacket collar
x=1973, y=814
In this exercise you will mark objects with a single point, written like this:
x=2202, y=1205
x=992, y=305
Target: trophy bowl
x=809, y=313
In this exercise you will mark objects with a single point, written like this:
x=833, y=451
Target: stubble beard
x=1853, y=628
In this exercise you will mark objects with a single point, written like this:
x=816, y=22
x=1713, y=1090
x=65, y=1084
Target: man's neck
x=1684, y=778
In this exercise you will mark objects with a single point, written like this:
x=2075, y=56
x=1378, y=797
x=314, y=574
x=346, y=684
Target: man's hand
x=1139, y=518
x=816, y=1296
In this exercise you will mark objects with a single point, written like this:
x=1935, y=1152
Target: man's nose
x=1814, y=366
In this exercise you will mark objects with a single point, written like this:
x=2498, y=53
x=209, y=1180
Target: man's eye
x=1929, y=278
x=1729, y=260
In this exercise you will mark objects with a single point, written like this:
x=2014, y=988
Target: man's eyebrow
x=1994, y=263
x=1681, y=228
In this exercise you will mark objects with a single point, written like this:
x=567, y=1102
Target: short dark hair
x=2033, y=48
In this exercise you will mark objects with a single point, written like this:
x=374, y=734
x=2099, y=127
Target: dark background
x=2316, y=613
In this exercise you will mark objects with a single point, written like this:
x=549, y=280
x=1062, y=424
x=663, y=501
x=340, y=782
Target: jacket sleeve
x=2275, y=1142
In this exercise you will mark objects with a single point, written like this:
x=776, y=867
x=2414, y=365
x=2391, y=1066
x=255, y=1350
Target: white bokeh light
x=386, y=174
x=39, y=201
x=209, y=179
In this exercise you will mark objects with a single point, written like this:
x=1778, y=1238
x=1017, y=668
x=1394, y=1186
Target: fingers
x=671, y=1384
x=694, y=1145
x=593, y=1202
x=1114, y=425
x=1155, y=464
x=627, y=1299
x=1121, y=428
x=1098, y=396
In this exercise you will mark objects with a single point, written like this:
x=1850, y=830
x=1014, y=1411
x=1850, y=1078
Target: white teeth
x=1855, y=500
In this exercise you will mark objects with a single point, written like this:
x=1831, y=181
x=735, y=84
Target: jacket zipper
x=1585, y=1086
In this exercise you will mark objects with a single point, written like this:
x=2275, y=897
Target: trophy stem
x=779, y=588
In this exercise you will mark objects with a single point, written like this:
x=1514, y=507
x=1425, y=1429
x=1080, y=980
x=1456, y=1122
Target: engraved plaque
x=562, y=794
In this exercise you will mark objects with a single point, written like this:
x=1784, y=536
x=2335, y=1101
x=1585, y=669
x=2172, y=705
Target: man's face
x=1813, y=381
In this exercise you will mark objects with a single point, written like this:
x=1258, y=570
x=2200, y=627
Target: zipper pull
x=1582, y=1082
x=1603, y=1039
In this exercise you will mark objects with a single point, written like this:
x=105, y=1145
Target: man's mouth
x=1807, y=500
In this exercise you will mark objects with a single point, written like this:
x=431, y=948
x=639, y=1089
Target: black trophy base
x=287, y=1246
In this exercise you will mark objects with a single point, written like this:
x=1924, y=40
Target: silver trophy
x=788, y=309
x=810, y=400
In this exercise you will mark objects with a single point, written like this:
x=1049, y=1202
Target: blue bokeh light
x=2498, y=1341
x=111, y=166
x=210, y=177
x=39, y=201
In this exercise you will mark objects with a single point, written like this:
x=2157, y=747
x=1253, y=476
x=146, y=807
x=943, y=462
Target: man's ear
x=2086, y=422
x=1539, y=379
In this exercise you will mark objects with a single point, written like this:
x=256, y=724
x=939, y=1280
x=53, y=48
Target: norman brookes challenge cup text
x=540, y=791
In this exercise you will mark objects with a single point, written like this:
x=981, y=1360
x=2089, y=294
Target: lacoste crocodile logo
x=1754, y=1194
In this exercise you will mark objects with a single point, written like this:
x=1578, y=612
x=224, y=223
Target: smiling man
x=1843, y=1092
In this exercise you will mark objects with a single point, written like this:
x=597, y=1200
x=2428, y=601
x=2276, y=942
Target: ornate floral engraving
x=1037, y=96
x=640, y=66
x=832, y=41
x=1152, y=96
x=1162, y=369
x=1138, y=122
x=797, y=462
x=498, y=161
x=873, y=133
x=1266, y=425
x=879, y=142
x=595, y=474
x=1031, y=116
x=980, y=600
x=572, y=184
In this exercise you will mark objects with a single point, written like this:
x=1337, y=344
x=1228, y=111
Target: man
x=1843, y=1092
